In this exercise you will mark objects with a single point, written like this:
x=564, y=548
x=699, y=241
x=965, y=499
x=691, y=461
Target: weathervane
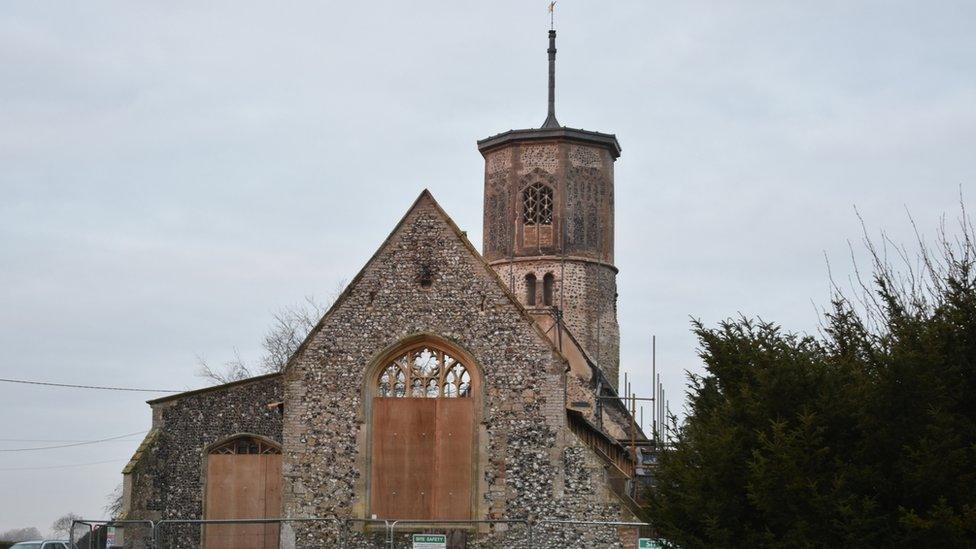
x=552, y=14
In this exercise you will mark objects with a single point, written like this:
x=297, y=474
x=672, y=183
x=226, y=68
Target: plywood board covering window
x=423, y=436
x=243, y=482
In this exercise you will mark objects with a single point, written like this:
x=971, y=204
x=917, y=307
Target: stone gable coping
x=143, y=446
x=220, y=387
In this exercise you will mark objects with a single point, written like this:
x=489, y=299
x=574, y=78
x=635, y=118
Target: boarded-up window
x=243, y=482
x=423, y=437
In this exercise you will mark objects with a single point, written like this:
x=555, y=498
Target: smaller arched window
x=245, y=444
x=537, y=204
x=548, y=282
x=425, y=372
x=530, y=289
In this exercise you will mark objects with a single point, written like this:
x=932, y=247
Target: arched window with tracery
x=245, y=444
x=537, y=204
x=425, y=371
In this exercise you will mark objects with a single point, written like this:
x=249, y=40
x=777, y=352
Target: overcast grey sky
x=173, y=173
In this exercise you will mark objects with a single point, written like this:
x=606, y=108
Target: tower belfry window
x=547, y=284
x=537, y=204
x=530, y=289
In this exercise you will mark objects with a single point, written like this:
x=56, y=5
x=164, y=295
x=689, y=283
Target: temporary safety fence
x=514, y=533
x=560, y=533
x=92, y=524
x=344, y=533
x=248, y=532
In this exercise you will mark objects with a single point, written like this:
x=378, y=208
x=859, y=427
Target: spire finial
x=551, y=121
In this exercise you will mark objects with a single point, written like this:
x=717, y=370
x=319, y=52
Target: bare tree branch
x=289, y=328
x=113, y=503
x=62, y=526
x=232, y=370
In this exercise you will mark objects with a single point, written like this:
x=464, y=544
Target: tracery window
x=246, y=445
x=425, y=372
x=537, y=204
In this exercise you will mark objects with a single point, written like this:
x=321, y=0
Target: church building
x=443, y=383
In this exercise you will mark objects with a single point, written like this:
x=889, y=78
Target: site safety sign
x=429, y=541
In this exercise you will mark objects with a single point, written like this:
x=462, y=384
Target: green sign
x=648, y=543
x=429, y=541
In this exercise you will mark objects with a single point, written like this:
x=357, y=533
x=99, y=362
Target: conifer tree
x=863, y=436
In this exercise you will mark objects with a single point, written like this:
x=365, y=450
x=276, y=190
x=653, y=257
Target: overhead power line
x=70, y=465
x=82, y=443
x=99, y=387
x=43, y=440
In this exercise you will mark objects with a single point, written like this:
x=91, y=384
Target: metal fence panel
x=90, y=534
x=316, y=533
x=515, y=534
x=587, y=533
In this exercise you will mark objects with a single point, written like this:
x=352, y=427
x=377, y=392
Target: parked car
x=44, y=544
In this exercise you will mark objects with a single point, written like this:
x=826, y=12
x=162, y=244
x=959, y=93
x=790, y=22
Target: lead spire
x=551, y=121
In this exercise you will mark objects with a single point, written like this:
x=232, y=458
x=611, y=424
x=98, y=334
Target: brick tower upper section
x=548, y=225
x=549, y=193
x=548, y=229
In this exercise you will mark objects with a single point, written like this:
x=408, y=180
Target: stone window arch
x=245, y=444
x=530, y=289
x=548, y=283
x=425, y=371
x=537, y=204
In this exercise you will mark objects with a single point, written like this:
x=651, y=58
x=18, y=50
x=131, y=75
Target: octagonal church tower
x=548, y=226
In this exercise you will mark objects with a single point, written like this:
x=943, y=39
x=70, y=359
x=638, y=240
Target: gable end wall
x=523, y=437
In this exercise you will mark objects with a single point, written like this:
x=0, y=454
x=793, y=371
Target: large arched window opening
x=243, y=481
x=423, y=433
x=530, y=290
